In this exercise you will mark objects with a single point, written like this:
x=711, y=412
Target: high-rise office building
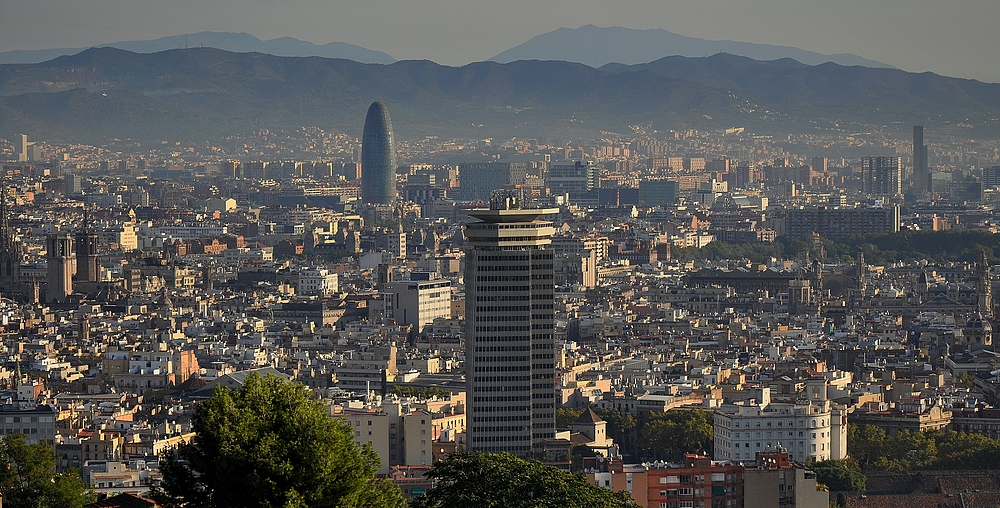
x=510, y=364
x=378, y=157
x=574, y=178
x=991, y=177
x=479, y=180
x=921, y=178
x=22, y=148
x=657, y=192
x=880, y=176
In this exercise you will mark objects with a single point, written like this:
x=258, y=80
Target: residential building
x=880, y=176
x=418, y=302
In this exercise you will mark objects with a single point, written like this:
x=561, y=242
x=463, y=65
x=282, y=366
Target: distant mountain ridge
x=208, y=94
x=596, y=46
x=228, y=41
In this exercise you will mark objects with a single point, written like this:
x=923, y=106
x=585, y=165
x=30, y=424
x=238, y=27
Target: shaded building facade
x=510, y=366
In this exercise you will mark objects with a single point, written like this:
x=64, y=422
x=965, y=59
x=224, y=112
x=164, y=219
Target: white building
x=418, y=302
x=248, y=254
x=317, y=281
x=185, y=231
x=811, y=429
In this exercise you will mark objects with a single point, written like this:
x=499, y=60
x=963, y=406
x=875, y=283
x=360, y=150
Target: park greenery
x=660, y=436
x=30, y=479
x=933, y=246
x=502, y=480
x=422, y=392
x=876, y=450
x=271, y=444
x=840, y=475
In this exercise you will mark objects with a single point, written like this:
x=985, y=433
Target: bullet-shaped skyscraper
x=378, y=157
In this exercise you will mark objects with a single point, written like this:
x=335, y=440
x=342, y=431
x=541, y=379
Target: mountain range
x=206, y=94
x=597, y=46
x=229, y=41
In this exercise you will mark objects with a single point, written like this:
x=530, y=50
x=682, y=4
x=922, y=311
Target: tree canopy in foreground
x=270, y=444
x=30, y=478
x=504, y=480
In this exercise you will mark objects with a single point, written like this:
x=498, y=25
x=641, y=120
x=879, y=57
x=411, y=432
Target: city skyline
x=926, y=39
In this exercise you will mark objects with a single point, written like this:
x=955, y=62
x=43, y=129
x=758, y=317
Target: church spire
x=10, y=253
x=984, y=287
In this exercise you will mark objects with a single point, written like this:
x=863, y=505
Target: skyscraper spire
x=984, y=287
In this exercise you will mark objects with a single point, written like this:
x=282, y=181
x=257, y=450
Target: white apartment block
x=317, y=282
x=418, y=302
x=811, y=429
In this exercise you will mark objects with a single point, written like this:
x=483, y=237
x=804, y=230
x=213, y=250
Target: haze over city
x=956, y=38
x=433, y=254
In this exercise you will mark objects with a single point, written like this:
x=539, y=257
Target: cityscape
x=684, y=316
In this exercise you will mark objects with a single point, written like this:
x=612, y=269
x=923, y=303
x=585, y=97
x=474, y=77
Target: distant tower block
x=88, y=266
x=60, y=258
x=22, y=149
x=921, y=176
x=378, y=157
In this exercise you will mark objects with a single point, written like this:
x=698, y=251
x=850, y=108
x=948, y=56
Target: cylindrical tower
x=378, y=157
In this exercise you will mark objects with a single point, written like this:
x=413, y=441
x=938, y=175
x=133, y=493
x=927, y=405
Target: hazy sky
x=951, y=37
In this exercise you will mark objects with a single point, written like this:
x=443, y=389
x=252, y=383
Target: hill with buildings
x=206, y=93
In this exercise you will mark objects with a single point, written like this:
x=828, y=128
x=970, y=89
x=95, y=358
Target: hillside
x=597, y=46
x=229, y=41
x=206, y=93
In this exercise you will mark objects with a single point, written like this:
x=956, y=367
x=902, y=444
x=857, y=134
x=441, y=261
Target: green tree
x=567, y=415
x=866, y=444
x=30, y=479
x=839, y=475
x=620, y=423
x=270, y=444
x=505, y=481
x=421, y=392
x=671, y=434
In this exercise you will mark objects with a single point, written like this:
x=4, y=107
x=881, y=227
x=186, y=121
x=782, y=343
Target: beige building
x=404, y=435
x=777, y=482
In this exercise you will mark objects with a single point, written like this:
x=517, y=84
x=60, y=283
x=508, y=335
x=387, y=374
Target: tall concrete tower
x=22, y=147
x=921, y=179
x=60, y=257
x=378, y=157
x=510, y=366
x=880, y=176
x=87, y=267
